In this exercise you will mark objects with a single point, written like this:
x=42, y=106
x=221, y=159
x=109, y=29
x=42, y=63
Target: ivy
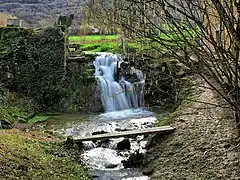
x=32, y=63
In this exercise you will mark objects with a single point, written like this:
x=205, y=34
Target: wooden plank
x=161, y=130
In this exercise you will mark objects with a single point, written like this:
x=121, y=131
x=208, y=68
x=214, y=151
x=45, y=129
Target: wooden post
x=123, y=47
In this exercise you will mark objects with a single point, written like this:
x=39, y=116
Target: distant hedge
x=32, y=63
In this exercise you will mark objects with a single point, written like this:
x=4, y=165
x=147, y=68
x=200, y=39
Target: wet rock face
x=95, y=104
x=129, y=72
x=165, y=82
x=82, y=92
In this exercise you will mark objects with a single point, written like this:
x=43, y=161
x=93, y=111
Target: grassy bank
x=23, y=157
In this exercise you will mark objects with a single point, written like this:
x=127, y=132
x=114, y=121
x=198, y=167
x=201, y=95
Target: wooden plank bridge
x=154, y=130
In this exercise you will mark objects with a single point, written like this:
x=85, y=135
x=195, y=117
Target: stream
x=104, y=157
x=122, y=96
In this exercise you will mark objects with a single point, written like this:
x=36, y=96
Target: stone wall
x=166, y=84
x=81, y=90
x=33, y=64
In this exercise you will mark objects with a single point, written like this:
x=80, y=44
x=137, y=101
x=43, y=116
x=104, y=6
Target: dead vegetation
x=205, y=144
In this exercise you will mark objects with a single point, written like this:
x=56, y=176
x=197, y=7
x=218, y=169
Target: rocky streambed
x=108, y=159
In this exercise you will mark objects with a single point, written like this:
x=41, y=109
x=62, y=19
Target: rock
x=139, y=138
x=99, y=132
x=148, y=172
x=110, y=165
x=91, y=65
x=134, y=161
x=124, y=144
x=103, y=143
x=49, y=132
x=70, y=140
x=121, y=130
x=124, y=154
x=89, y=145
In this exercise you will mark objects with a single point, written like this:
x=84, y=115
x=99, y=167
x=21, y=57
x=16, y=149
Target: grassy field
x=112, y=43
x=92, y=38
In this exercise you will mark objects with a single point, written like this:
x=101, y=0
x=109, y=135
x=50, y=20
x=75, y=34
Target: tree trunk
x=237, y=119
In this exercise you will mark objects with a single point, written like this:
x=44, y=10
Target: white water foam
x=98, y=158
x=127, y=113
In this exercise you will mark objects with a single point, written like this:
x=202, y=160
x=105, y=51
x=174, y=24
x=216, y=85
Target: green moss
x=15, y=108
x=36, y=119
x=24, y=158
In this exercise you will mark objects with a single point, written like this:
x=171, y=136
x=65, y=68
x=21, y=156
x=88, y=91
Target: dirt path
x=204, y=145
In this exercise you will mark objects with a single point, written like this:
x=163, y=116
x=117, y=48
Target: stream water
x=104, y=157
x=123, y=103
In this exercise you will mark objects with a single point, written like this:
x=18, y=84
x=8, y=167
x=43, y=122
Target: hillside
x=38, y=13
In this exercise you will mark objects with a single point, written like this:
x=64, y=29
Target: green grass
x=101, y=47
x=97, y=43
x=111, y=43
x=92, y=38
x=26, y=158
x=37, y=119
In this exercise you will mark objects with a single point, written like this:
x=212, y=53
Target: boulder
x=148, y=172
x=110, y=165
x=134, y=161
x=124, y=144
x=99, y=132
x=121, y=129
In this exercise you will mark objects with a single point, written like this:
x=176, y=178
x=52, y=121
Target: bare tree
x=202, y=34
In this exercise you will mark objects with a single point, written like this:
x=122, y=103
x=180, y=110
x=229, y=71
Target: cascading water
x=122, y=98
x=115, y=95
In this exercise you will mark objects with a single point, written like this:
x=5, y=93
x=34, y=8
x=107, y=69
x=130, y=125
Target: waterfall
x=115, y=95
